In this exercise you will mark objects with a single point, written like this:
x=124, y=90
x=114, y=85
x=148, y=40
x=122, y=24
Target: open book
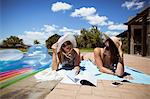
x=82, y=78
x=67, y=76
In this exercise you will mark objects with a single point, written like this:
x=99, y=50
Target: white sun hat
x=118, y=43
x=63, y=39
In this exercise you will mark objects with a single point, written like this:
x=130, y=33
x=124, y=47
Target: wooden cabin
x=138, y=33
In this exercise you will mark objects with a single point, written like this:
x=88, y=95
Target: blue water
x=37, y=57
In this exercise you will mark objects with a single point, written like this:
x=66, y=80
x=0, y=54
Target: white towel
x=47, y=75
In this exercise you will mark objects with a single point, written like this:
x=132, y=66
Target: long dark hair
x=114, y=57
x=60, y=55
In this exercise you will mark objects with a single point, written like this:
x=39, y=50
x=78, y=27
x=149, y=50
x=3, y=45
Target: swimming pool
x=35, y=60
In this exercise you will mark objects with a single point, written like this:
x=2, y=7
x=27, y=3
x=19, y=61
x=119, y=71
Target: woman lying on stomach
x=110, y=58
x=65, y=53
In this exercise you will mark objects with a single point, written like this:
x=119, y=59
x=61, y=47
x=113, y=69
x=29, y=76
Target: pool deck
x=30, y=89
x=104, y=89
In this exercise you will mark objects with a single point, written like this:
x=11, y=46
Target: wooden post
x=129, y=36
x=144, y=35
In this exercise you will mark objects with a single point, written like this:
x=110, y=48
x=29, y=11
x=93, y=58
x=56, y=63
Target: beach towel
x=138, y=76
x=89, y=74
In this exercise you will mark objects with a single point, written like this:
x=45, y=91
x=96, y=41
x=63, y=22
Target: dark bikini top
x=68, y=61
x=107, y=61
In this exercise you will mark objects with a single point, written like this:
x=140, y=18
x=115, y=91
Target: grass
x=86, y=50
x=50, y=50
x=21, y=49
x=81, y=50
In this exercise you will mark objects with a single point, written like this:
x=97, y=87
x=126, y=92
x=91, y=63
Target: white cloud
x=29, y=37
x=139, y=5
x=97, y=20
x=110, y=23
x=89, y=14
x=1, y=41
x=49, y=28
x=58, y=6
x=83, y=12
x=112, y=33
x=117, y=27
x=41, y=36
x=47, y=31
x=135, y=4
x=66, y=30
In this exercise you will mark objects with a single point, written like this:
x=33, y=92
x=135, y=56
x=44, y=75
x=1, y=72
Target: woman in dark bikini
x=110, y=58
x=65, y=54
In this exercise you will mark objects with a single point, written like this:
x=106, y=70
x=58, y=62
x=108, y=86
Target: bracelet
x=114, y=73
x=113, y=70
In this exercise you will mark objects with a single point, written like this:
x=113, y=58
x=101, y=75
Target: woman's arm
x=77, y=60
x=55, y=61
x=99, y=62
x=120, y=67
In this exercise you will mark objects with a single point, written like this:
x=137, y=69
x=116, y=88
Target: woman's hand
x=54, y=46
x=54, y=51
x=77, y=69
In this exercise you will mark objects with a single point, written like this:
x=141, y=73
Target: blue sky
x=39, y=19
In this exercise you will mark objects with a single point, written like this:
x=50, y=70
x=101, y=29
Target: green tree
x=96, y=37
x=13, y=42
x=125, y=44
x=82, y=38
x=51, y=40
x=89, y=38
x=36, y=42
